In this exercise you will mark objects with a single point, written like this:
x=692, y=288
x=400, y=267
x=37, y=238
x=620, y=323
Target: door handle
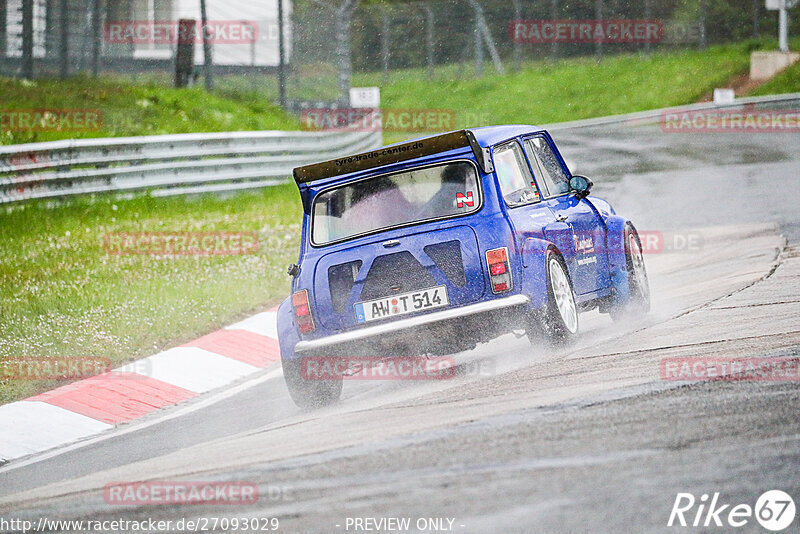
x=562, y=218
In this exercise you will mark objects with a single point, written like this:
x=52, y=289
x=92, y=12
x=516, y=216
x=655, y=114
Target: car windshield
x=413, y=196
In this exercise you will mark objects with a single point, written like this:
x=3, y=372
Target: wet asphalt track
x=581, y=439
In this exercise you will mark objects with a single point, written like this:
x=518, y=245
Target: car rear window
x=387, y=201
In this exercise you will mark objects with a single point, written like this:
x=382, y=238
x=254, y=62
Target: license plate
x=427, y=299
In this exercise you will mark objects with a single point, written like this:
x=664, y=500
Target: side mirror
x=293, y=270
x=581, y=185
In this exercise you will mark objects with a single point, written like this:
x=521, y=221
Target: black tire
x=638, y=281
x=309, y=394
x=558, y=321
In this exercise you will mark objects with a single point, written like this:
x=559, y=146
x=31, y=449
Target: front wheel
x=558, y=320
x=308, y=393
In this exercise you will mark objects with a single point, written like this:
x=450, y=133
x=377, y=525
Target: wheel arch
x=617, y=258
x=534, y=254
x=288, y=336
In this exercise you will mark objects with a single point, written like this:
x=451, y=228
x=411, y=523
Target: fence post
x=97, y=42
x=647, y=15
x=554, y=16
x=344, y=18
x=3, y=18
x=63, y=13
x=517, y=45
x=385, y=42
x=49, y=24
x=184, y=53
x=281, y=57
x=27, y=39
x=484, y=35
x=703, y=37
x=478, y=48
x=756, y=19
x=783, y=18
x=430, y=21
x=208, y=66
x=598, y=15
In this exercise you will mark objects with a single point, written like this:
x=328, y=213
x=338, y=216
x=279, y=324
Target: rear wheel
x=307, y=393
x=558, y=320
x=638, y=283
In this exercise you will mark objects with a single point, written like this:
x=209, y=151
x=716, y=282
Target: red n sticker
x=465, y=199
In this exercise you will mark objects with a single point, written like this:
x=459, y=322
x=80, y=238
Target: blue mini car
x=430, y=247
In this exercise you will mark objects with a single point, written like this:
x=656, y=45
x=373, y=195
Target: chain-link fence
x=327, y=42
x=337, y=39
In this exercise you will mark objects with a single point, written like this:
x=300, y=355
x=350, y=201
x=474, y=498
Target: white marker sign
x=365, y=97
x=724, y=96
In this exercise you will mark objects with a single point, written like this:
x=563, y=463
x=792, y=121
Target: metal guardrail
x=651, y=116
x=168, y=164
x=197, y=163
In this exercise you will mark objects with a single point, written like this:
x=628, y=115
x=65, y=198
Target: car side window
x=516, y=182
x=552, y=175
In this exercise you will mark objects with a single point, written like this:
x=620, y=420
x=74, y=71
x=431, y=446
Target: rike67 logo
x=774, y=510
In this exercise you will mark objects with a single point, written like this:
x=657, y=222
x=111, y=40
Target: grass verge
x=63, y=296
x=544, y=92
x=136, y=109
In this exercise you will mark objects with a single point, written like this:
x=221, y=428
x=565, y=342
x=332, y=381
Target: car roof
x=488, y=136
x=478, y=139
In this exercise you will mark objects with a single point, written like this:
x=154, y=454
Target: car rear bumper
x=420, y=321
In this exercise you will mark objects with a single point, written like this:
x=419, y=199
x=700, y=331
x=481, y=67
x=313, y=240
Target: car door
x=529, y=217
x=586, y=260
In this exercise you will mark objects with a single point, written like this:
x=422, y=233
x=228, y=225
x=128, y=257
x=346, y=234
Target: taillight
x=302, y=312
x=499, y=270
